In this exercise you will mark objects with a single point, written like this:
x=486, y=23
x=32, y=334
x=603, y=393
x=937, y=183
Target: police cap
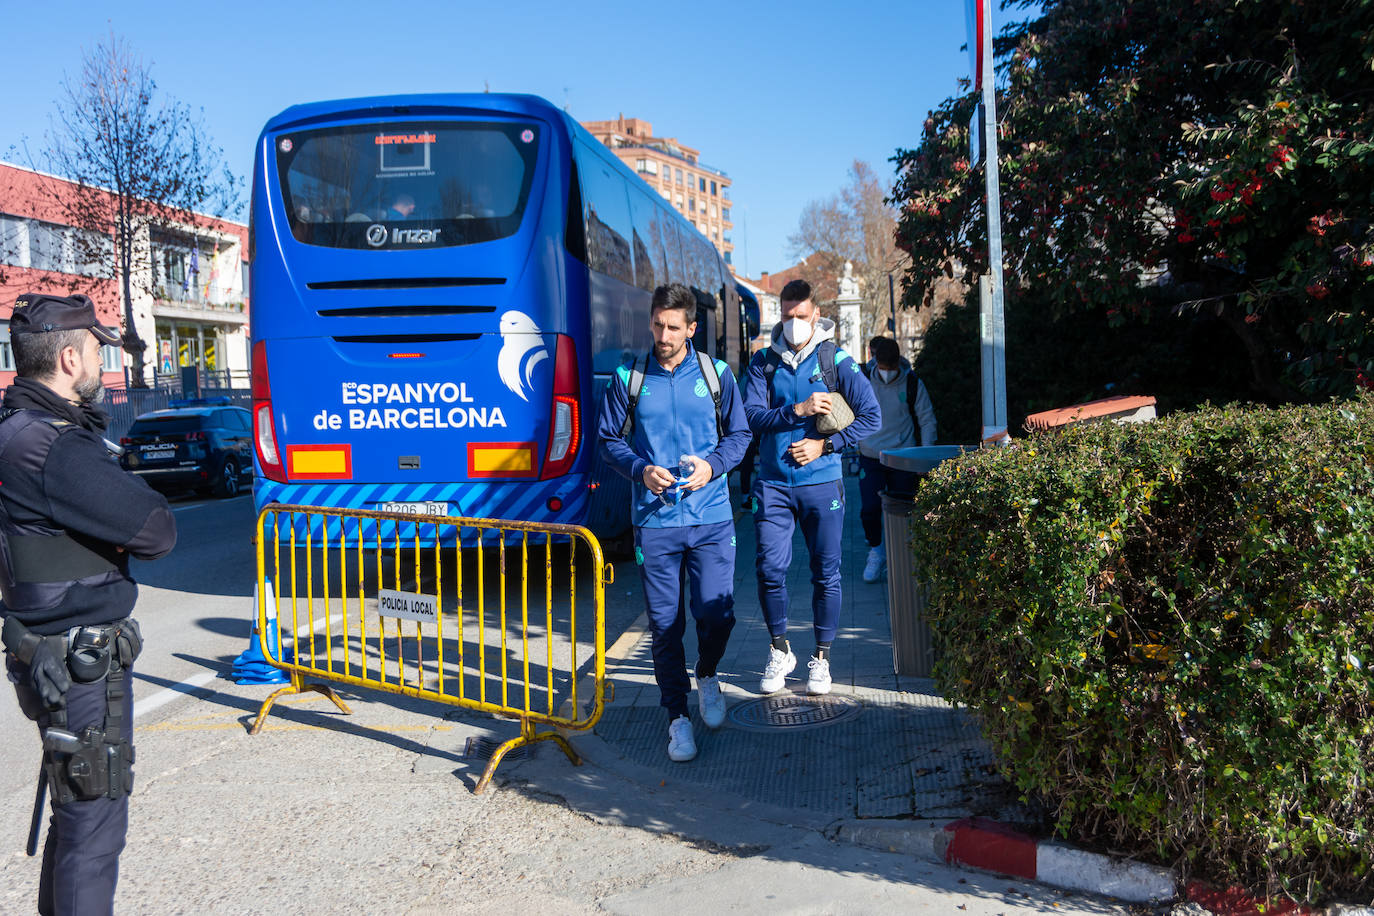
x=38, y=312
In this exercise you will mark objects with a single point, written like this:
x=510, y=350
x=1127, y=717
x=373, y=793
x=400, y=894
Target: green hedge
x=1168, y=632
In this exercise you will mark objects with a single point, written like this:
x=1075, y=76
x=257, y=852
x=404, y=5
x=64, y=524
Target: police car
x=203, y=444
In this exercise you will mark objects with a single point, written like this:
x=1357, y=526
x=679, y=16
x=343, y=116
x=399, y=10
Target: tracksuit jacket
x=777, y=425
x=675, y=416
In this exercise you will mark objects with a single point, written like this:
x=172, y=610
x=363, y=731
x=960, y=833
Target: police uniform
x=70, y=518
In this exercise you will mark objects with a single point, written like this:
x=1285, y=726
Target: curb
x=978, y=842
x=985, y=844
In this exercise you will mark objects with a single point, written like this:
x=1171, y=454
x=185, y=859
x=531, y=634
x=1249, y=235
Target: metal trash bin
x=913, y=652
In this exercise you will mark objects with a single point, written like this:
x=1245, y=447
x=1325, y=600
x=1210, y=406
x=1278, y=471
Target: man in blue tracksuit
x=682, y=516
x=800, y=480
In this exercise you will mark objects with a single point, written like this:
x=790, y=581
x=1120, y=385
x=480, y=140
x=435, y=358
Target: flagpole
x=991, y=324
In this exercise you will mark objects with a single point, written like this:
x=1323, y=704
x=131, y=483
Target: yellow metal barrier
x=338, y=576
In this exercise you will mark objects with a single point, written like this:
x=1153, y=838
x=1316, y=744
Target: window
x=725, y=213
x=608, y=219
x=6, y=352
x=691, y=180
x=703, y=185
x=650, y=267
x=455, y=183
x=667, y=195
x=713, y=189
x=14, y=242
x=679, y=175
x=713, y=211
x=112, y=359
x=691, y=205
x=243, y=275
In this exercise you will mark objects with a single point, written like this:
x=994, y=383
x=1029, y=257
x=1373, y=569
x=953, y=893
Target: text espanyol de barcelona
x=430, y=405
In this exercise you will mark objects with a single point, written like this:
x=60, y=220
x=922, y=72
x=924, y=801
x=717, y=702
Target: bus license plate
x=425, y=507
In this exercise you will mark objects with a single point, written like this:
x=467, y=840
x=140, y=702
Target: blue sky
x=782, y=96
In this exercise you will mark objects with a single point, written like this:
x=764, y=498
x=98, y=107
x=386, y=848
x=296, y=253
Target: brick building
x=699, y=192
x=189, y=289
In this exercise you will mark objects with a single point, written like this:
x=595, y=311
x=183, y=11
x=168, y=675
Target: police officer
x=666, y=406
x=70, y=518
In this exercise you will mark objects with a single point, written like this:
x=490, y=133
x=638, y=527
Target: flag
x=193, y=269
x=214, y=271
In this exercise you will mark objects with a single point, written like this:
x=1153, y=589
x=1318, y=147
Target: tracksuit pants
x=874, y=478
x=819, y=509
x=707, y=554
x=85, y=838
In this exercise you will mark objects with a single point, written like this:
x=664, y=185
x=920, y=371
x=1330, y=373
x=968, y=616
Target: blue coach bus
x=441, y=285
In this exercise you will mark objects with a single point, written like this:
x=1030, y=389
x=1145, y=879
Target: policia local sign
x=408, y=605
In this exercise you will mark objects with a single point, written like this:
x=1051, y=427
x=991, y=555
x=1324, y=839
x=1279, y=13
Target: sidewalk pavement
x=896, y=750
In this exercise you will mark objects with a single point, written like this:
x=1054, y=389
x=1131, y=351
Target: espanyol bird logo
x=522, y=348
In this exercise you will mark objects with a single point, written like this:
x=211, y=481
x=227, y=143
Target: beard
x=90, y=390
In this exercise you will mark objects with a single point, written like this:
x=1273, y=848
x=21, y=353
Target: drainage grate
x=793, y=712
x=483, y=748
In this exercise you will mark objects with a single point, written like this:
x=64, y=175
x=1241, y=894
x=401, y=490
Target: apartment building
x=189, y=288
x=698, y=191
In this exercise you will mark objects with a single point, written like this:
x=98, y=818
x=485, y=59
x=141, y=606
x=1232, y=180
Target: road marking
x=186, y=687
x=163, y=697
x=218, y=502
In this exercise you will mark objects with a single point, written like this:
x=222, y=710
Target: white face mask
x=797, y=331
x=887, y=375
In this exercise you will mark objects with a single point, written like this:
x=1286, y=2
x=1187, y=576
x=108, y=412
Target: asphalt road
x=374, y=813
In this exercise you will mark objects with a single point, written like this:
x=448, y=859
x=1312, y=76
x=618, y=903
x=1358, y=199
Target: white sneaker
x=711, y=702
x=776, y=671
x=818, y=680
x=876, y=565
x=681, y=745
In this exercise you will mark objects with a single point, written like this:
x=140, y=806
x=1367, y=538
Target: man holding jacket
x=800, y=478
x=674, y=424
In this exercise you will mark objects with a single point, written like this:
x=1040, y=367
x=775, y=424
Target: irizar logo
x=377, y=236
x=522, y=348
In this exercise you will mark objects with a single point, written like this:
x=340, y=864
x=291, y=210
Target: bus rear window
x=406, y=185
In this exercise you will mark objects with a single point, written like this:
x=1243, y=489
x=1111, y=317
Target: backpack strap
x=637, y=371
x=913, y=388
x=825, y=355
x=771, y=361
x=712, y=377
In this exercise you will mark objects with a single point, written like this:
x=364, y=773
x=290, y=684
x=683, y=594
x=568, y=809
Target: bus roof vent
x=404, y=338
x=400, y=311
x=406, y=282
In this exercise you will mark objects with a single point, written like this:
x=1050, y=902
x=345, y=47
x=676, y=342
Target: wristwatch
x=828, y=448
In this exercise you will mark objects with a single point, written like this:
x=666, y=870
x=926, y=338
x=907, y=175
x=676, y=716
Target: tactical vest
x=39, y=562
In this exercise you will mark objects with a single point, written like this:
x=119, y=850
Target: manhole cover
x=794, y=712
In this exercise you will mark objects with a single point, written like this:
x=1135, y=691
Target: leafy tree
x=1167, y=158
x=138, y=165
x=857, y=225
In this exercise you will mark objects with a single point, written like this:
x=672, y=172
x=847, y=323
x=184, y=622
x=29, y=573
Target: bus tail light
x=565, y=414
x=264, y=431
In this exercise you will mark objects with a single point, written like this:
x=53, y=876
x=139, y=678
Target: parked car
x=203, y=445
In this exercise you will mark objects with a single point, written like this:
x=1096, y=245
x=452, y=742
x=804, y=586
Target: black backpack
x=640, y=367
x=825, y=355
